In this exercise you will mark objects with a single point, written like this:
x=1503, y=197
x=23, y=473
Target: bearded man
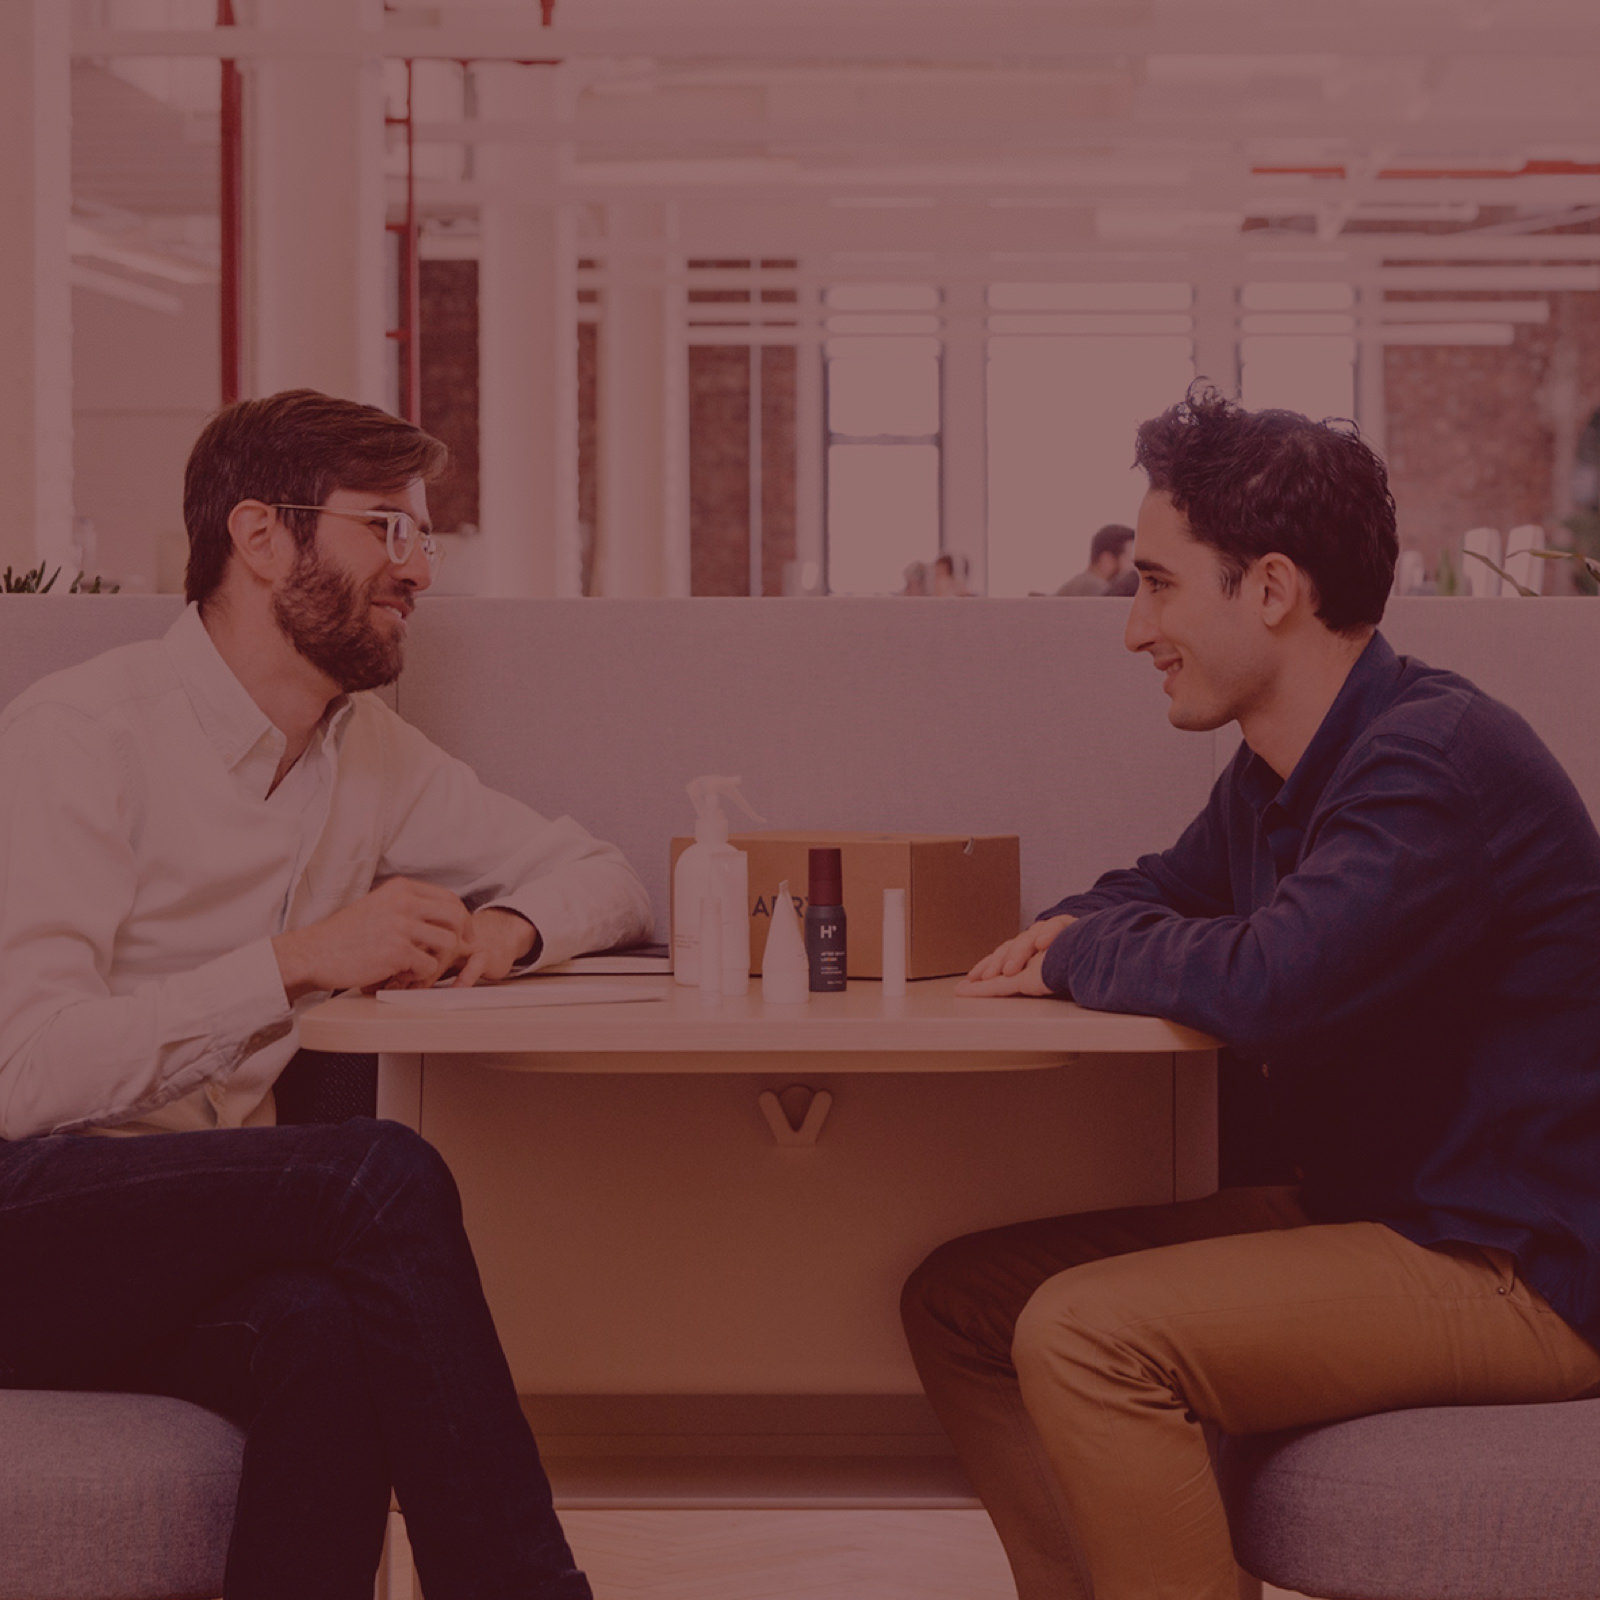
x=200, y=836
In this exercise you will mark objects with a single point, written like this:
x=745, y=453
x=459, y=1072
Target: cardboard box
x=963, y=892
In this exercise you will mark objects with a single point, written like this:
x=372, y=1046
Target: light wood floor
x=789, y=1555
x=794, y=1555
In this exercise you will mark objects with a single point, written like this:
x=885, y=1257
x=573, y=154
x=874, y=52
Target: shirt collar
x=1365, y=691
x=234, y=724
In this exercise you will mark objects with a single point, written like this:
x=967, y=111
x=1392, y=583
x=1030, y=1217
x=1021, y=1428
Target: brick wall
x=719, y=465
x=448, y=318
x=1469, y=438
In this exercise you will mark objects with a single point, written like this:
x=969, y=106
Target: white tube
x=785, y=979
x=894, y=943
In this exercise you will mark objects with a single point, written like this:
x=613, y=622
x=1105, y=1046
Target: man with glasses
x=199, y=836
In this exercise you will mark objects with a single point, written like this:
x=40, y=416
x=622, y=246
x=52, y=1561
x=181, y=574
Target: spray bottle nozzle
x=707, y=794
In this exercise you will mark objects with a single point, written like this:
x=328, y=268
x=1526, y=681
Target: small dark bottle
x=825, y=946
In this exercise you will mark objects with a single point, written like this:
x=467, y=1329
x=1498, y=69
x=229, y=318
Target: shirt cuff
x=241, y=994
x=1057, y=967
x=523, y=962
x=570, y=923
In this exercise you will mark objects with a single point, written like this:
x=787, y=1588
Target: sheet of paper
x=521, y=992
x=610, y=965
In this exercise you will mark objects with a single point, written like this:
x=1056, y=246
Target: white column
x=964, y=436
x=527, y=351
x=35, y=295
x=316, y=311
x=630, y=510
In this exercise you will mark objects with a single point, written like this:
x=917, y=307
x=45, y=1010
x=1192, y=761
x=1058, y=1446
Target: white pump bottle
x=693, y=880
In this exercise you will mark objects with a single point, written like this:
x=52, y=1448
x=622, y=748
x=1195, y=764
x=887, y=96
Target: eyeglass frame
x=391, y=521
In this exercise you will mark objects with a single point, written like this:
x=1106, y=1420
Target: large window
x=1073, y=369
x=1297, y=348
x=883, y=426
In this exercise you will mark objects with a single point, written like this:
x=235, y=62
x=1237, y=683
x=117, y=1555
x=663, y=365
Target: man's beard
x=328, y=619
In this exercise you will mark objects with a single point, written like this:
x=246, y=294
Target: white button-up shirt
x=146, y=862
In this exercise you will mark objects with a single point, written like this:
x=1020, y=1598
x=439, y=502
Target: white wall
x=144, y=383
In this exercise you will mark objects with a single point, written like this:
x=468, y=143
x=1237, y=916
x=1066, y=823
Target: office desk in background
x=702, y=1314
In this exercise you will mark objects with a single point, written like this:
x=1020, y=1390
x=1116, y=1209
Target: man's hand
x=500, y=939
x=403, y=934
x=1017, y=967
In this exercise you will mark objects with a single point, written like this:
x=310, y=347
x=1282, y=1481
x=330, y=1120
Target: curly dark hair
x=1250, y=482
x=296, y=448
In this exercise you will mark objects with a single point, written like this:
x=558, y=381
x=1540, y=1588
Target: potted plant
x=1587, y=565
x=34, y=581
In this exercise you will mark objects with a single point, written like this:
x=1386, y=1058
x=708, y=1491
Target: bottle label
x=826, y=948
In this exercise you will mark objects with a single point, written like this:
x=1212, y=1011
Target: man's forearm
x=74, y=1058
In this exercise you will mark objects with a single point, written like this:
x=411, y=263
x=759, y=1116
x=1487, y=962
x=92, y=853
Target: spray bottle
x=693, y=882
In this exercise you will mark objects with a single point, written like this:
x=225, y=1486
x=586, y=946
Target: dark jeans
x=314, y=1284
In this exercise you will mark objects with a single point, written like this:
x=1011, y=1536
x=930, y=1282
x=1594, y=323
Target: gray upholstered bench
x=1447, y=1503
x=113, y=1497
x=131, y=1496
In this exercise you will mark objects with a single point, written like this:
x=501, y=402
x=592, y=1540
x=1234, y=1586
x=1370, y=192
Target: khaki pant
x=1073, y=1361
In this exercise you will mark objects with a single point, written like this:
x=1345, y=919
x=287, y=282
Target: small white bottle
x=894, y=944
x=785, y=972
x=692, y=883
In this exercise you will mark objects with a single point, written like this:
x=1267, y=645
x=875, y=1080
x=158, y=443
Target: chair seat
x=1445, y=1503
x=114, y=1496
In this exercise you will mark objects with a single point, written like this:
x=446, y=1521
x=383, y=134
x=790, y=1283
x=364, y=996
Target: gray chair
x=114, y=1496
x=1442, y=1503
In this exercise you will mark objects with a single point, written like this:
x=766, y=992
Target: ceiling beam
x=1427, y=136
x=905, y=187
x=976, y=34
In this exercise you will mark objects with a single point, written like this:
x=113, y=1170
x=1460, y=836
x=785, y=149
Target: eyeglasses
x=400, y=532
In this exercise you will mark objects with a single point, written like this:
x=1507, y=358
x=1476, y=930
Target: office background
x=729, y=298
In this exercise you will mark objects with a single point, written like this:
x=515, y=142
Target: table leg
x=1194, y=1124
x=400, y=1089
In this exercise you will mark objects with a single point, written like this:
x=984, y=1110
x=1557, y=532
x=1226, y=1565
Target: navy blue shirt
x=1407, y=932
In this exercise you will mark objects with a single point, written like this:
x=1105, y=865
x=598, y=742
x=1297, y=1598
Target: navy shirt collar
x=1284, y=806
x=1364, y=693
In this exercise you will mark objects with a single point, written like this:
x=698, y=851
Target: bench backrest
x=972, y=716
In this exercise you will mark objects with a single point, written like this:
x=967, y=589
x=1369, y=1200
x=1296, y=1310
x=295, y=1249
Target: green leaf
x=1522, y=589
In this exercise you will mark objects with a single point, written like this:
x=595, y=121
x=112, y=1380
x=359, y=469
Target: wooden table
x=671, y=1248
x=930, y=1029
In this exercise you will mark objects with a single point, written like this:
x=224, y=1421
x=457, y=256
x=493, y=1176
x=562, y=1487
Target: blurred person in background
x=1110, y=569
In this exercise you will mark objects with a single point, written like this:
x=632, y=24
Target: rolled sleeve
x=444, y=824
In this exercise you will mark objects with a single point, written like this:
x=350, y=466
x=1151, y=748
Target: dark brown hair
x=294, y=448
x=1250, y=482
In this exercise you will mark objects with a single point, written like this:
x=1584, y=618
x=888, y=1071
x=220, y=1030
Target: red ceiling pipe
x=231, y=211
